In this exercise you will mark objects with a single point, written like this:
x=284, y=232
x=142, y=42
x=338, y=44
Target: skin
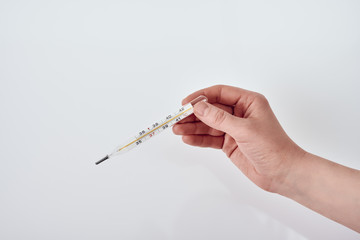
x=242, y=124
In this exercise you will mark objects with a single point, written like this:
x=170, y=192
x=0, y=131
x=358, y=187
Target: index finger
x=223, y=94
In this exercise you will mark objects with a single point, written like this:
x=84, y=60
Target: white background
x=79, y=77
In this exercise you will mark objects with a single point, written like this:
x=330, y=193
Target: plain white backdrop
x=79, y=77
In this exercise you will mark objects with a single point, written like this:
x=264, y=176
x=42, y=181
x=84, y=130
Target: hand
x=242, y=124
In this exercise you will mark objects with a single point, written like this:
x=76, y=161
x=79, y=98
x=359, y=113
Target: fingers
x=223, y=94
x=193, y=118
x=204, y=141
x=218, y=119
x=198, y=128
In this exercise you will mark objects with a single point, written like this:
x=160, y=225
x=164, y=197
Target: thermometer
x=154, y=129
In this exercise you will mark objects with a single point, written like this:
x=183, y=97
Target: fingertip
x=185, y=101
x=187, y=139
x=191, y=97
x=176, y=129
x=201, y=108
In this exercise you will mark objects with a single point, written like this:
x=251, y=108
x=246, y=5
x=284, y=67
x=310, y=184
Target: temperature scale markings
x=154, y=129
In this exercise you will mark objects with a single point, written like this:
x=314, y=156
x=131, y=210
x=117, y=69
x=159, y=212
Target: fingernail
x=200, y=108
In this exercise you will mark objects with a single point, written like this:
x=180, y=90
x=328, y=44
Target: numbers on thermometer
x=159, y=126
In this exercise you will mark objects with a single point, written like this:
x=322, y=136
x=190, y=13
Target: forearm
x=326, y=187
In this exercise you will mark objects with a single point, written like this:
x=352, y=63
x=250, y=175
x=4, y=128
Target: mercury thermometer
x=154, y=129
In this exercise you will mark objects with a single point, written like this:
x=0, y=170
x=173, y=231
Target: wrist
x=295, y=176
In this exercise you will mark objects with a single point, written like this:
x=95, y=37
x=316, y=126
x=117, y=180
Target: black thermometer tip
x=103, y=159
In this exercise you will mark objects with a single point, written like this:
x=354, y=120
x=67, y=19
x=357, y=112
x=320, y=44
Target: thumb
x=217, y=118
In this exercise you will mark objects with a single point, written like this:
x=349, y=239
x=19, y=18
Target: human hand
x=242, y=124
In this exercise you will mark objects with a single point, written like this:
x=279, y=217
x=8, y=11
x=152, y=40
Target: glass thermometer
x=154, y=129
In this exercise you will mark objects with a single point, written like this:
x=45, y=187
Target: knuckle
x=219, y=117
x=261, y=99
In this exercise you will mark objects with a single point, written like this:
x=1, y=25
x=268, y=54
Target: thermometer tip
x=103, y=159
